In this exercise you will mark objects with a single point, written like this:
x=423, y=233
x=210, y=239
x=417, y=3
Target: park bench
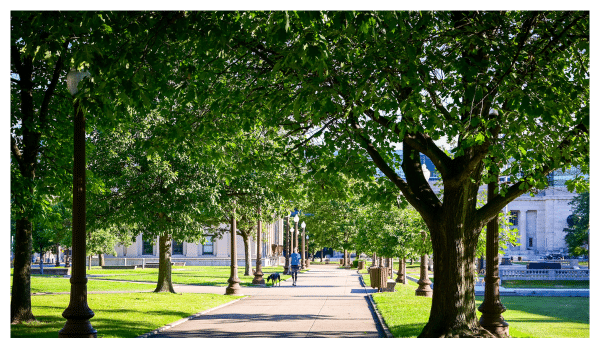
x=52, y=271
x=120, y=267
x=155, y=265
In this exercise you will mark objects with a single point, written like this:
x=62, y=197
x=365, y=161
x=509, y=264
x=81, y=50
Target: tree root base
x=465, y=333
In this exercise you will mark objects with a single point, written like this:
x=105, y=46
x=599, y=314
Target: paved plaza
x=327, y=302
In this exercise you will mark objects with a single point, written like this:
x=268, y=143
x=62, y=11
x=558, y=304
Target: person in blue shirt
x=295, y=263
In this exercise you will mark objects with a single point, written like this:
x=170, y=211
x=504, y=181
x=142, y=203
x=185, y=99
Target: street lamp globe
x=296, y=218
x=426, y=172
x=291, y=230
x=303, y=225
x=73, y=79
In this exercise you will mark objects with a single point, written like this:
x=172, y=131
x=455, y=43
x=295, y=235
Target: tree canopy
x=342, y=91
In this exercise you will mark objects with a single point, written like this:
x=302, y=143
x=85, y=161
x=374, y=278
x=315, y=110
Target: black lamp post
x=303, y=225
x=296, y=220
x=258, y=274
x=78, y=313
x=492, y=308
x=424, y=289
x=234, y=287
x=288, y=237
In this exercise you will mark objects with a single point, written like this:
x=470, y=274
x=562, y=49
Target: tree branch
x=52, y=86
x=420, y=142
x=16, y=151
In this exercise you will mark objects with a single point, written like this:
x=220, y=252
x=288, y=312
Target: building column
x=523, y=229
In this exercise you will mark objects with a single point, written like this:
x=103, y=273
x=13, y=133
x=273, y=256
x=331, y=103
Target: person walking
x=295, y=263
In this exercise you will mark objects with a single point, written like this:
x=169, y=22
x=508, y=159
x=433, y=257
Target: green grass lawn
x=547, y=284
x=62, y=284
x=191, y=275
x=118, y=315
x=544, y=317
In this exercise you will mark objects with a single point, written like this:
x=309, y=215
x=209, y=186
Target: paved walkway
x=327, y=302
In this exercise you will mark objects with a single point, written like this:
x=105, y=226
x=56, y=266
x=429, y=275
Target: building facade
x=540, y=220
x=214, y=251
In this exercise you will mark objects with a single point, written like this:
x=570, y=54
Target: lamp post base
x=234, y=288
x=424, y=292
x=258, y=278
x=78, y=328
x=497, y=326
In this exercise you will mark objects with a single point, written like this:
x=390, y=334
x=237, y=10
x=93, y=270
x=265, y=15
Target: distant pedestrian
x=295, y=257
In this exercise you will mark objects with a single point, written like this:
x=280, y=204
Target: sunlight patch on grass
x=118, y=315
x=61, y=284
x=545, y=317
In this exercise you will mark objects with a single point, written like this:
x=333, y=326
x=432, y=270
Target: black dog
x=275, y=278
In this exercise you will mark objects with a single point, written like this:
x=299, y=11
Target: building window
x=177, y=248
x=207, y=247
x=514, y=218
x=147, y=247
x=530, y=243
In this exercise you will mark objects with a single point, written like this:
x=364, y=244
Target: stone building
x=541, y=219
x=215, y=251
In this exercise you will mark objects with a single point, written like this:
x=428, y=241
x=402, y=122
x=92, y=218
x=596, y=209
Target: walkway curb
x=183, y=320
x=386, y=330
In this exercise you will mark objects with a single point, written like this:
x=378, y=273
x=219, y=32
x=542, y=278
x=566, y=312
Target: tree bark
x=57, y=254
x=164, y=283
x=90, y=262
x=454, y=240
x=20, y=302
x=322, y=256
x=41, y=264
x=247, y=258
x=101, y=259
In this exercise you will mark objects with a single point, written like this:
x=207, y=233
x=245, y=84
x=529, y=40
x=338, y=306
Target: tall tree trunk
x=90, y=262
x=41, y=264
x=453, y=312
x=101, y=259
x=20, y=302
x=322, y=257
x=57, y=254
x=247, y=257
x=164, y=265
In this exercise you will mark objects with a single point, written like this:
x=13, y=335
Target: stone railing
x=544, y=274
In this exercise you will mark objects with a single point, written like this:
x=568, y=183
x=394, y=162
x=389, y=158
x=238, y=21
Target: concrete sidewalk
x=327, y=302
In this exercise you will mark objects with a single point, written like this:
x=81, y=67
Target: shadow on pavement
x=270, y=333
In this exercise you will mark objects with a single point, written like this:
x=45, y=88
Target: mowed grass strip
x=50, y=284
x=190, y=275
x=118, y=315
x=546, y=284
x=545, y=317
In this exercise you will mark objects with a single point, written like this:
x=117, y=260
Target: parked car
x=554, y=256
